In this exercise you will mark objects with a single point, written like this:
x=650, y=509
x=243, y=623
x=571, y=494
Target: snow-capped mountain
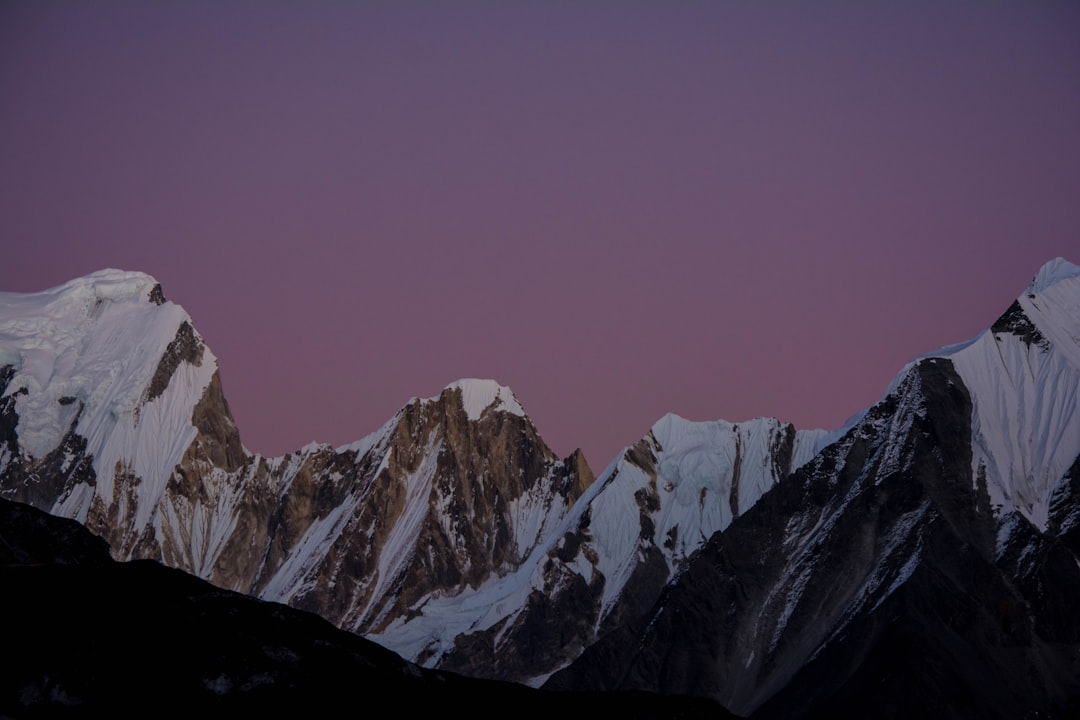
x=775, y=570
x=452, y=534
x=928, y=561
x=132, y=436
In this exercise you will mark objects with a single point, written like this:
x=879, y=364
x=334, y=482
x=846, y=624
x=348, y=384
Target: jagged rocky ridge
x=453, y=536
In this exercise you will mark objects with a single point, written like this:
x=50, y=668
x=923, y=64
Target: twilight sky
x=722, y=210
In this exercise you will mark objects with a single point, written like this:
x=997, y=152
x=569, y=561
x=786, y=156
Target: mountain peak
x=81, y=295
x=1052, y=272
x=88, y=356
x=112, y=284
x=478, y=395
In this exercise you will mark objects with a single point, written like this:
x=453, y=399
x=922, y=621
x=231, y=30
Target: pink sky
x=722, y=210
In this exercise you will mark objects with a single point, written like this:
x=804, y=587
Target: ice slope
x=1024, y=388
x=85, y=353
x=703, y=474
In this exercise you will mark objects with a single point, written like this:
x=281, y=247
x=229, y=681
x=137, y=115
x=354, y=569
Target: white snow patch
x=1052, y=273
x=478, y=396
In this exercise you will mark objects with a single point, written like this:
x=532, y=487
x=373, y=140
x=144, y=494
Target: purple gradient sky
x=723, y=210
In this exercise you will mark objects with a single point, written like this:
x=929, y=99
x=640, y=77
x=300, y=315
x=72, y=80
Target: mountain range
x=924, y=558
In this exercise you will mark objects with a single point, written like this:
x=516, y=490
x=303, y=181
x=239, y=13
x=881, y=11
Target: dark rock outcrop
x=185, y=347
x=868, y=581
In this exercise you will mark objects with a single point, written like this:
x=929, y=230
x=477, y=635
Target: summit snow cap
x=477, y=396
x=104, y=285
x=103, y=360
x=1053, y=272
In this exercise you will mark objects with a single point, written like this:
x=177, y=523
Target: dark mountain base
x=87, y=636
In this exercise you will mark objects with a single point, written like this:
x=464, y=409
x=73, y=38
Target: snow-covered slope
x=689, y=479
x=107, y=359
x=1023, y=374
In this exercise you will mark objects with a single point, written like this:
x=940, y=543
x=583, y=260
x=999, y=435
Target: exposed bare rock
x=157, y=296
x=185, y=347
x=1016, y=322
x=39, y=480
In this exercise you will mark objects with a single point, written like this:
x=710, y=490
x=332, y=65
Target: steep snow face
x=1052, y=273
x=685, y=481
x=477, y=396
x=1023, y=374
x=107, y=357
x=737, y=462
